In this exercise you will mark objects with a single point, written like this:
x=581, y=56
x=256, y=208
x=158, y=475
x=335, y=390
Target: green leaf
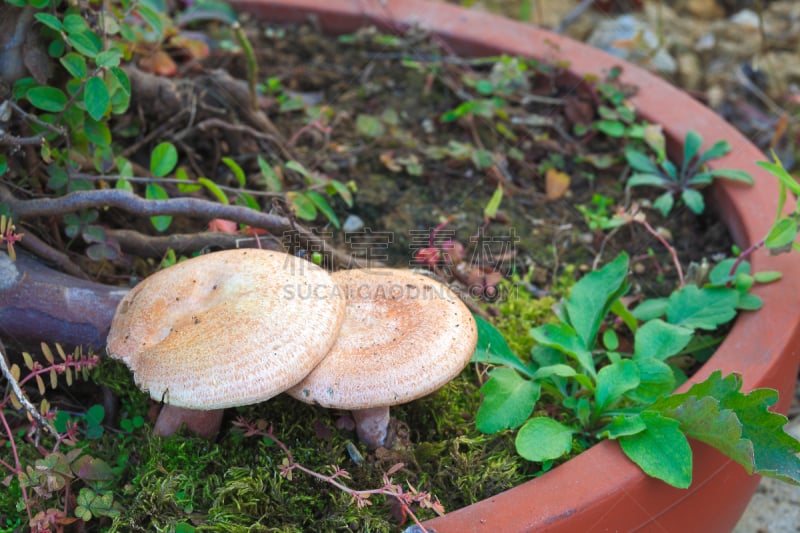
x=543, y=439
x=613, y=381
x=650, y=309
x=777, y=170
x=492, y=348
x=97, y=132
x=656, y=379
x=75, y=64
x=86, y=43
x=564, y=338
x=302, y=205
x=733, y=174
x=659, y=340
x=591, y=298
x=490, y=211
x=664, y=203
x=651, y=180
x=50, y=21
x=612, y=128
x=270, y=178
x=704, y=308
x=767, y=276
x=163, y=159
x=700, y=179
x=640, y=162
x=763, y=447
x=693, y=200
x=508, y=401
x=75, y=24
x=691, y=146
x=344, y=192
x=322, y=204
x=719, y=149
x=621, y=426
x=214, y=189
x=560, y=370
x=47, y=99
x=155, y=191
x=238, y=173
x=720, y=275
x=782, y=233
x=96, y=97
x=108, y=58
x=152, y=17
x=661, y=450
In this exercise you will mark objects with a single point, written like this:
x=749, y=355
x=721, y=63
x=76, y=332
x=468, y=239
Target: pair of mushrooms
x=240, y=326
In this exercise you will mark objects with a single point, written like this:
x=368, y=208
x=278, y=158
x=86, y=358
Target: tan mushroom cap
x=404, y=336
x=227, y=328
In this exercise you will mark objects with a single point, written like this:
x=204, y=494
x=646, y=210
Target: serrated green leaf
x=613, y=381
x=543, y=439
x=693, y=200
x=705, y=308
x=492, y=348
x=508, y=401
x=321, y=203
x=661, y=450
x=163, y=159
x=47, y=99
x=774, y=452
x=214, y=189
x=657, y=339
x=96, y=97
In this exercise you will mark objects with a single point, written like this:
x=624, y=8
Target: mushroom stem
x=204, y=423
x=372, y=425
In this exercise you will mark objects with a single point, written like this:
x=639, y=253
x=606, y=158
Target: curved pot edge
x=603, y=476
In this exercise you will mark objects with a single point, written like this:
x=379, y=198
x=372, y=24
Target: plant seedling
x=600, y=391
x=683, y=181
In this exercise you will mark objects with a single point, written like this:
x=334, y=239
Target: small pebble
x=352, y=223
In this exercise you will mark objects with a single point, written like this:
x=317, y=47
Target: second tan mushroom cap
x=404, y=336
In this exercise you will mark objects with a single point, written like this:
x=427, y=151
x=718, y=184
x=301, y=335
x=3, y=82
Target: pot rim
x=601, y=486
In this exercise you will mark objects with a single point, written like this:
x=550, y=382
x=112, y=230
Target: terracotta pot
x=601, y=490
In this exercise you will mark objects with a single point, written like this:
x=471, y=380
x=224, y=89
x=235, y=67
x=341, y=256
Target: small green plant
x=681, y=181
x=602, y=390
